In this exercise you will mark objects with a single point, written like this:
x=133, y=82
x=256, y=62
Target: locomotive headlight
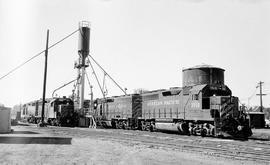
x=239, y=128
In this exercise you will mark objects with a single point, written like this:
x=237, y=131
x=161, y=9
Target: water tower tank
x=84, y=38
x=203, y=74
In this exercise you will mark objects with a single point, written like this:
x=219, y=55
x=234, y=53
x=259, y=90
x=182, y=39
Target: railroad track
x=223, y=152
x=247, y=150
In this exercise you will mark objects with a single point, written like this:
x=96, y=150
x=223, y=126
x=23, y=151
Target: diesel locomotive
x=57, y=111
x=203, y=106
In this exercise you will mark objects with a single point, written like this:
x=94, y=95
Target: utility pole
x=44, y=82
x=261, y=94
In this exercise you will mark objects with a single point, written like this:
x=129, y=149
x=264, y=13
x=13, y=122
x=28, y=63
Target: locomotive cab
x=222, y=106
x=227, y=117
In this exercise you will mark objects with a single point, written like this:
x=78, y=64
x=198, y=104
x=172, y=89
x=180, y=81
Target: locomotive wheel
x=113, y=124
x=151, y=128
x=144, y=128
x=53, y=122
x=49, y=122
x=203, y=132
x=183, y=128
x=123, y=125
x=37, y=121
x=117, y=125
x=212, y=131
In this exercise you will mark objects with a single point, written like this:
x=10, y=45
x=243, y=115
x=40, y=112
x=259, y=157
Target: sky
x=140, y=43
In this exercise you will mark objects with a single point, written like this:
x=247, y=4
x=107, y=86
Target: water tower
x=83, y=51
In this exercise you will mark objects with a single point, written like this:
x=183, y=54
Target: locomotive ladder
x=93, y=123
x=94, y=119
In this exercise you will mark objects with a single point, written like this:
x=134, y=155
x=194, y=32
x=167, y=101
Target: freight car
x=203, y=106
x=57, y=111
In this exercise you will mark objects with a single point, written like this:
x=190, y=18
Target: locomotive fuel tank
x=203, y=74
x=172, y=127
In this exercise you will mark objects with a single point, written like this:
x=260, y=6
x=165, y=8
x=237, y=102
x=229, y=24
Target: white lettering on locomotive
x=165, y=102
x=195, y=104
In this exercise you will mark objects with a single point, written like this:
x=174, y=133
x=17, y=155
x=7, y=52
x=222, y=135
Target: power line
x=63, y=39
x=267, y=83
x=88, y=79
x=22, y=64
x=96, y=77
x=107, y=74
x=253, y=94
x=19, y=66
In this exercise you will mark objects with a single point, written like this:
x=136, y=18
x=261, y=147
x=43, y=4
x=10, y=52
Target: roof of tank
x=202, y=66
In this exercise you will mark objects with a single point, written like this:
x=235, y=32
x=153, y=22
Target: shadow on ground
x=260, y=138
x=23, y=124
x=23, y=132
x=35, y=140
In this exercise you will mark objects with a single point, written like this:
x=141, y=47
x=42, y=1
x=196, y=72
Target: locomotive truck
x=203, y=106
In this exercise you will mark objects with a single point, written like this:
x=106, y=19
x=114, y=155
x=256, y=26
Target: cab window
x=206, y=103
